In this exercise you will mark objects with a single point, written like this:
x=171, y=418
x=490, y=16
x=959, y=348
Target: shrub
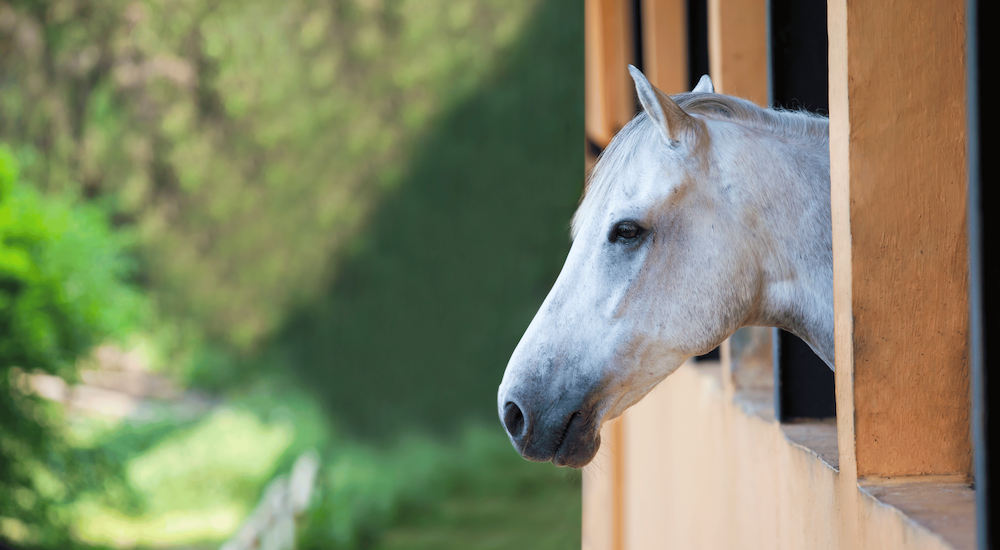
x=63, y=288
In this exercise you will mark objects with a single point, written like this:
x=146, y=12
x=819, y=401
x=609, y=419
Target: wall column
x=737, y=48
x=897, y=82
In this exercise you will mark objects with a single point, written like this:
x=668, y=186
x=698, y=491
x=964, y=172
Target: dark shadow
x=418, y=325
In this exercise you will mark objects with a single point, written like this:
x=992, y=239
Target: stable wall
x=701, y=462
x=704, y=468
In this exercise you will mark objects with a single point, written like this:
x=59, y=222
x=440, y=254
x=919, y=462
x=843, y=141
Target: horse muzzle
x=565, y=435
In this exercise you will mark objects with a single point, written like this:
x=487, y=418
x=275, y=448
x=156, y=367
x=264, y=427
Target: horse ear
x=704, y=86
x=665, y=112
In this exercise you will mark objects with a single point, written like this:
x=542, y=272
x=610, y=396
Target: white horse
x=706, y=213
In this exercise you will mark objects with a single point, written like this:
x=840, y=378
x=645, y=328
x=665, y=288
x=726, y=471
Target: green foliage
x=62, y=289
x=377, y=189
x=247, y=140
x=416, y=327
x=371, y=195
x=62, y=269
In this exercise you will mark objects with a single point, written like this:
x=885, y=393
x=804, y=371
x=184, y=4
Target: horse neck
x=788, y=211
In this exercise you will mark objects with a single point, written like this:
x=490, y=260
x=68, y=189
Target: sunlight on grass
x=197, y=484
x=101, y=525
x=228, y=446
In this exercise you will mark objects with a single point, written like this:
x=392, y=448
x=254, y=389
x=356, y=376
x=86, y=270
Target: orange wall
x=704, y=469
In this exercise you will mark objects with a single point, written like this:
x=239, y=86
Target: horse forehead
x=640, y=176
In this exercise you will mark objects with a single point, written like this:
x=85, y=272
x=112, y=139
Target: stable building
x=762, y=446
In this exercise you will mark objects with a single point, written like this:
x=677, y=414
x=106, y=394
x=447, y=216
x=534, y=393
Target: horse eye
x=626, y=231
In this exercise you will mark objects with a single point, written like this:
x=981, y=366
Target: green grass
x=190, y=483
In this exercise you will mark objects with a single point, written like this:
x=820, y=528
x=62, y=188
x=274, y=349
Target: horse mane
x=788, y=125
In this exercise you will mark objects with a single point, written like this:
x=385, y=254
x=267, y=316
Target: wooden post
x=897, y=96
x=664, y=44
x=609, y=96
x=737, y=47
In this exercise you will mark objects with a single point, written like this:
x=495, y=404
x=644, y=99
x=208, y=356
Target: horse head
x=670, y=256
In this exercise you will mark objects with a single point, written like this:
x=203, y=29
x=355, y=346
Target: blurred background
x=263, y=262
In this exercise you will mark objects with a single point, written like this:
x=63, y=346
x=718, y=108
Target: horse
x=704, y=214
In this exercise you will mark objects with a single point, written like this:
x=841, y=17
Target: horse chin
x=579, y=453
x=580, y=443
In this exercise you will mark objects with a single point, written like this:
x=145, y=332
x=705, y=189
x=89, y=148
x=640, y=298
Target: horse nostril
x=513, y=420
